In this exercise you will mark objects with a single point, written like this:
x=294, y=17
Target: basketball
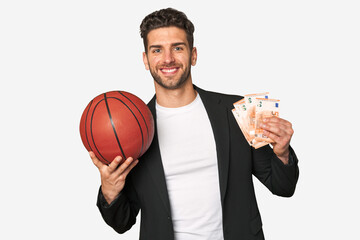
x=117, y=123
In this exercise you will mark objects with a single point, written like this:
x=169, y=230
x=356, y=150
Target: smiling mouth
x=169, y=70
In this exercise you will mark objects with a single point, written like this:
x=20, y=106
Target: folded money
x=249, y=113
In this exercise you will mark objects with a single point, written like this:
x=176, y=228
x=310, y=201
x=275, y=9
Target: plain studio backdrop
x=55, y=56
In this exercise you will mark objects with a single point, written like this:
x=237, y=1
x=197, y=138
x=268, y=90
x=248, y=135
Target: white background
x=55, y=56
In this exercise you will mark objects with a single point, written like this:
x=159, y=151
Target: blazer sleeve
x=279, y=178
x=121, y=213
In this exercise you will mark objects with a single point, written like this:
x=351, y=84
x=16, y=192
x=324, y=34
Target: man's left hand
x=280, y=131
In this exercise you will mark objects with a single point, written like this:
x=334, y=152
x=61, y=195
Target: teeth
x=169, y=70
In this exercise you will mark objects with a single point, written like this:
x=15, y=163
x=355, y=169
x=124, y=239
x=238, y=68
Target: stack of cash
x=249, y=113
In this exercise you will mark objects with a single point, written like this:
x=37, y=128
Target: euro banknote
x=249, y=113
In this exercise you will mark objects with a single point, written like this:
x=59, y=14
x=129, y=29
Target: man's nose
x=169, y=57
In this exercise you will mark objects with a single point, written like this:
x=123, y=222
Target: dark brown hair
x=168, y=17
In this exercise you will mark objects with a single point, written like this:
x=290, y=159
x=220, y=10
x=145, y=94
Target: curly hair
x=168, y=17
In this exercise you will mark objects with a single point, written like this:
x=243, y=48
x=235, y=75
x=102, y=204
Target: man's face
x=169, y=57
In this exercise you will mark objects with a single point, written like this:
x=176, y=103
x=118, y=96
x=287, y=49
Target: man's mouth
x=169, y=70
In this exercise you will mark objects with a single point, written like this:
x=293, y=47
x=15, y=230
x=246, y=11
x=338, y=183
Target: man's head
x=169, y=52
x=168, y=17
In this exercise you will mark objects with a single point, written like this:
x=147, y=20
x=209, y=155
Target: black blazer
x=145, y=186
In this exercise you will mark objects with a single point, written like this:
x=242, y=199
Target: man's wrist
x=109, y=197
x=104, y=202
x=284, y=157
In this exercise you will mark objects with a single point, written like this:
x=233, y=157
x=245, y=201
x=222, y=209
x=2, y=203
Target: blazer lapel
x=154, y=163
x=218, y=115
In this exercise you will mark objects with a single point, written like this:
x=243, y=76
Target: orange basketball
x=117, y=123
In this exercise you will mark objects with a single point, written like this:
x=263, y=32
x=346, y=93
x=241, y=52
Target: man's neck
x=176, y=97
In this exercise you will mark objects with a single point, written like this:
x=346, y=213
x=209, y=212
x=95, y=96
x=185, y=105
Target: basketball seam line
x=142, y=135
x=91, y=130
x=147, y=129
x=113, y=126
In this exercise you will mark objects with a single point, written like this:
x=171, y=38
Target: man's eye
x=178, y=48
x=156, y=50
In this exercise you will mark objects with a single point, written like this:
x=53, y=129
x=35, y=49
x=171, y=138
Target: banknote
x=242, y=117
x=265, y=108
x=242, y=125
x=250, y=103
x=249, y=113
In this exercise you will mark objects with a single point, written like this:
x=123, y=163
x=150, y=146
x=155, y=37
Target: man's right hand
x=113, y=175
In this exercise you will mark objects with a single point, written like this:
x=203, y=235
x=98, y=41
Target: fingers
x=114, y=167
x=96, y=161
x=274, y=137
x=278, y=129
x=126, y=166
x=276, y=120
x=114, y=164
x=277, y=126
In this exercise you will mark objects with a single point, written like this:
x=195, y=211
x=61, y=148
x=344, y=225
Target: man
x=195, y=180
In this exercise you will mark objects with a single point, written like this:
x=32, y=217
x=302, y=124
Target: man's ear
x=145, y=60
x=193, y=56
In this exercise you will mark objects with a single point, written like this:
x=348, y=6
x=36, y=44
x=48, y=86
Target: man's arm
x=114, y=198
x=121, y=213
x=278, y=177
x=277, y=168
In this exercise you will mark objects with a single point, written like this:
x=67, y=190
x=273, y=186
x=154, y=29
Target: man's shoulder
x=224, y=98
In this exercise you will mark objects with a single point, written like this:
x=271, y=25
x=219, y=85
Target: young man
x=195, y=181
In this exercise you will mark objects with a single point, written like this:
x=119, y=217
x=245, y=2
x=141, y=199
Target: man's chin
x=173, y=85
x=170, y=85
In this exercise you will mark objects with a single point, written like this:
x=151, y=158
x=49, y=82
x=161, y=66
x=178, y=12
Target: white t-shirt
x=188, y=153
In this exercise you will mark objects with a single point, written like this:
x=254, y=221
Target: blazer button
x=168, y=218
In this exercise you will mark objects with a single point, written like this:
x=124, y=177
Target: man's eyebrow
x=174, y=44
x=179, y=43
x=154, y=46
